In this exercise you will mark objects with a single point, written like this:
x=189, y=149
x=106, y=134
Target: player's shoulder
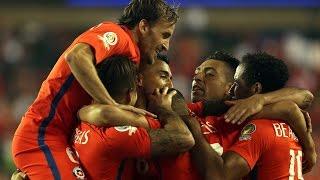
x=111, y=28
x=153, y=123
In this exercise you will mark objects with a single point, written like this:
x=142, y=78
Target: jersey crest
x=247, y=131
x=109, y=39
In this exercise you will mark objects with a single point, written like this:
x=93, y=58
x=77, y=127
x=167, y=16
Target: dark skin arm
x=209, y=163
x=243, y=108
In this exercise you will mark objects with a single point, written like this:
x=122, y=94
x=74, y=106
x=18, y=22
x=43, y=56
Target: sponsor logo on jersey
x=247, y=131
x=131, y=130
x=109, y=39
x=78, y=172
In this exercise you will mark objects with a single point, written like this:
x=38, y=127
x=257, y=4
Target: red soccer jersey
x=53, y=113
x=271, y=147
x=109, y=153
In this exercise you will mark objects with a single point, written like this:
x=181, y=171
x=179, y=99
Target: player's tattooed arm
x=109, y=115
x=175, y=136
x=207, y=161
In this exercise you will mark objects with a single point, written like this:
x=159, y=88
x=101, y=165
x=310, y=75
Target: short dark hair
x=231, y=61
x=151, y=10
x=118, y=74
x=163, y=57
x=261, y=67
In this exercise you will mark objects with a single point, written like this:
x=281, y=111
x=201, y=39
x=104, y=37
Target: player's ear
x=144, y=26
x=139, y=79
x=256, y=88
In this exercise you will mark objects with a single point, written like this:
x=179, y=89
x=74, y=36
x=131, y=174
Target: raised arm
x=109, y=115
x=243, y=108
x=81, y=62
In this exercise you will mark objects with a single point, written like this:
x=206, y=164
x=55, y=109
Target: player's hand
x=136, y=110
x=161, y=99
x=309, y=157
x=243, y=108
x=18, y=175
x=308, y=120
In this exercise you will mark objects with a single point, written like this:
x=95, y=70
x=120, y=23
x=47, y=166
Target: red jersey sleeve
x=196, y=108
x=106, y=39
x=255, y=138
x=127, y=142
x=153, y=123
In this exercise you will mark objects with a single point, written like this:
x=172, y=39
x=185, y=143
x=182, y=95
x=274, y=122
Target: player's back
x=272, y=148
x=110, y=152
x=283, y=158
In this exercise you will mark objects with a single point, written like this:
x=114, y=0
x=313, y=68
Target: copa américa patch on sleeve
x=247, y=131
x=108, y=39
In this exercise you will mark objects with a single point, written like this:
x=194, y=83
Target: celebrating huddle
x=108, y=110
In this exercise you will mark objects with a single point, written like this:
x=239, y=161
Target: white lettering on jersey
x=108, y=39
x=207, y=128
x=131, y=130
x=218, y=148
x=81, y=137
x=281, y=130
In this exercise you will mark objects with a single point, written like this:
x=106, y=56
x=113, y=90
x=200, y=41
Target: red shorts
x=46, y=160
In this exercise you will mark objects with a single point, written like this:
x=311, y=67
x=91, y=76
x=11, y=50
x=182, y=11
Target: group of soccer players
x=107, y=110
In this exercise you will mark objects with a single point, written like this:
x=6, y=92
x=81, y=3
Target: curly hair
x=261, y=67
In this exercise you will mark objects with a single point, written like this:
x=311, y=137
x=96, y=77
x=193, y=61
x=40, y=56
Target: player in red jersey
x=109, y=152
x=41, y=140
x=180, y=165
x=270, y=145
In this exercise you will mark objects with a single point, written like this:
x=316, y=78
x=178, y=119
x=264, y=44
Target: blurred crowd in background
x=29, y=50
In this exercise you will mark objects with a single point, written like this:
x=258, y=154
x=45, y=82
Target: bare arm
x=109, y=115
x=175, y=136
x=81, y=62
x=243, y=108
x=208, y=163
x=302, y=97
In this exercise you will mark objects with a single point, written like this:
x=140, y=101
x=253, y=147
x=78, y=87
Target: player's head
x=152, y=22
x=214, y=77
x=156, y=75
x=258, y=73
x=119, y=75
x=178, y=103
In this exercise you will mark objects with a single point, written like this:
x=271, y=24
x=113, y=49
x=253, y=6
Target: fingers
x=308, y=121
x=165, y=90
x=236, y=116
x=172, y=93
x=137, y=110
x=244, y=117
x=231, y=103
